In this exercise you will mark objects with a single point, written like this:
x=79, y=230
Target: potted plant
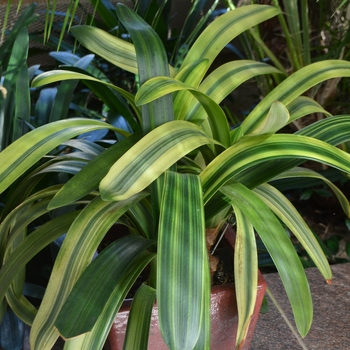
x=182, y=169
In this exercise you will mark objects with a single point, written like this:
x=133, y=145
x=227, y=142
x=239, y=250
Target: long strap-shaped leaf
x=97, y=283
x=183, y=283
x=246, y=273
x=151, y=157
x=96, y=339
x=23, y=153
x=90, y=176
x=281, y=206
x=116, y=51
x=257, y=149
x=159, y=86
x=333, y=130
x=294, y=86
x=225, y=28
x=152, y=61
x=281, y=250
x=76, y=253
x=137, y=331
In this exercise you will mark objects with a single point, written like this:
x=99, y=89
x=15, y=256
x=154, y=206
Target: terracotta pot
x=223, y=320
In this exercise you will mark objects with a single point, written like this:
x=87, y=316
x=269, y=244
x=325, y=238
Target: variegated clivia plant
x=180, y=170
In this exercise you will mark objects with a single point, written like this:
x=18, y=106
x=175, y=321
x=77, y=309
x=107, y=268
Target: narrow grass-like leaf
x=246, y=273
x=137, y=330
x=295, y=85
x=151, y=157
x=96, y=284
x=281, y=250
x=183, y=282
x=254, y=150
x=282, y=207
x=79, y=246
x=220, y=32
x=26, y=151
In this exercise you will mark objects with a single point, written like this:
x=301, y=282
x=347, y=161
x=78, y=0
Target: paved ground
x=331, y=326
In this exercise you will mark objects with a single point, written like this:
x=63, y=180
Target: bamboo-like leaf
x=90, y=176
x=304, y=105
x=224, y=29
x=281, y=250
x=150, y=158
x=246, y=273
x=293, y=86
x=96, y=284
x=137, y=330
x=183, y=282
x=76, y=253
x=282, y=207
x=254, y=150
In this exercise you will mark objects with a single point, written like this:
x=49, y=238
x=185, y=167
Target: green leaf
x=253, y=150
x=225, y=79
x=308, y=173
x=76, y=253
x=150, y=158
x=26, y=151
x=115, y=50
x=224, y=29
x=152, y=61
x=61, y=75
x=281, y=250
x=183, y=280
x=246, y=273
x=282, y=207
x=89, y=177
x=276, y=119
x=303, y=106
x=293, y=86
x=31, y=246
x=96, y=284
x=157, y=87
x=137, y=330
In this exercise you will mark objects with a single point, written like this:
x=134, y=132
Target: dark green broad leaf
x=183, y=281
x=97, y=283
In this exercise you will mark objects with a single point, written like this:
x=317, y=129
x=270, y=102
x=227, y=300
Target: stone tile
x=330, y=329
